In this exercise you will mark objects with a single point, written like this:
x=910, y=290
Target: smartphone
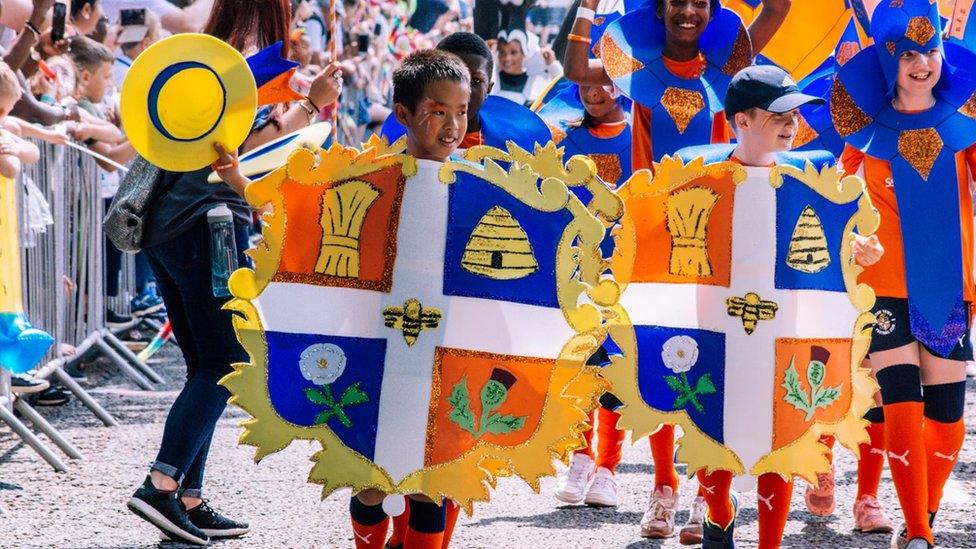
x=57, y=25
x=362, y=41
x=131, y=18
x=377, y=29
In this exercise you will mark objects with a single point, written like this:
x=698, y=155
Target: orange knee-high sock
x=450, y=521
x=907, y=461
x=588, y=437
x=871, y=462
x=399, y=529
x=662, y=453
x=609, y=447
x=369, y=524
x=425, y=527
x=942, y=444
x=943, y=432
x=773, y=495
x=715, y=488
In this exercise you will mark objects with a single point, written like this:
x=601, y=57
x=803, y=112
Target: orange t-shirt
x=472, y=139
x=607, y=131
x=887, y=276
x=642, y=155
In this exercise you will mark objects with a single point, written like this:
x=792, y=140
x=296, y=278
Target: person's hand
x=867, y=250
x=9, y=145
x=71, y=113
x=548, y=56
x=79, y=131
x=326, y=86
x=227, y=163
x=492, y=44
x=49, y=48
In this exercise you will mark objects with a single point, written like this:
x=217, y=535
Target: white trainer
x=691, y=533
x=603, y=491
x=575, y=480
x=658, y=520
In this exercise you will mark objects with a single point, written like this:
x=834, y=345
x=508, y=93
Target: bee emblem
x=751, y=309
x=411, y=319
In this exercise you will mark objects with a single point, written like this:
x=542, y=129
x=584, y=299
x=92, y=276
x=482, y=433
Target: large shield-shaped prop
x=747, y=327
x=426, y=323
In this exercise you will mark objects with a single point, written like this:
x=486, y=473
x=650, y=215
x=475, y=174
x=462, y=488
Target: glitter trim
x=920, y=148
x=607, y=167
x=969, y=107
x=891, y=47
x=846, y=52
x=804, y=133
x=682, y=106
x=615, y=61
x=848, y=117
x=947, y=339
x=741, y=56
x=920, y=30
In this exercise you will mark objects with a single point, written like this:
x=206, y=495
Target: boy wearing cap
x=762, y=108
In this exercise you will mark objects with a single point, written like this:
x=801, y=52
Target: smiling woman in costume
x=175, y=233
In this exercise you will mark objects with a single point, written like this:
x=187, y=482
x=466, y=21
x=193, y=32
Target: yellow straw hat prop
x=184, y=94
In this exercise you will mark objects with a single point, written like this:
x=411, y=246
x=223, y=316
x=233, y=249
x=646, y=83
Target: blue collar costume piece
x=502, y=120
x=682, y=109
x=921, y=149
x=721, y=152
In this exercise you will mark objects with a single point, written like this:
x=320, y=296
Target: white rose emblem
x=679, y=353
x=322, y=363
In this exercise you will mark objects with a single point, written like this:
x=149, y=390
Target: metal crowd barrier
x=63, y=271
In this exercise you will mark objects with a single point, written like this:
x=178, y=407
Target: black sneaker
x=54, y=396
x=165, y=511
x=713, y=536
x=899, y=539
x=214, y=524
x=25, y=385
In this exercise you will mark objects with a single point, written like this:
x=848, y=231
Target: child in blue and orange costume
x=685, y=53
x=598, y=129
x=904, y=107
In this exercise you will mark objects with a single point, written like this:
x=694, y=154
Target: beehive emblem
x=499, y=248
x=343, y=212
x=808, y=246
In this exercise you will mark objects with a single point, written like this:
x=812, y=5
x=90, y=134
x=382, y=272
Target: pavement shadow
x=567, y=518
x=819, y=530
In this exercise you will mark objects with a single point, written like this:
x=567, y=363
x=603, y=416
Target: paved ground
x=86, y=507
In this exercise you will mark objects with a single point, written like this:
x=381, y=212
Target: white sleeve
x=113, y=8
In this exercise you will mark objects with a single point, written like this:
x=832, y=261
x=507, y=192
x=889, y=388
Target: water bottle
x=223, y=248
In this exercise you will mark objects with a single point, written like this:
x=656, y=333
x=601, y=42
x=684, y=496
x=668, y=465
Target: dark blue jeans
x=206, y=337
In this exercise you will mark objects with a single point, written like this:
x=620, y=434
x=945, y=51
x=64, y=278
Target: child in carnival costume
x=762, y=106
x=904, y=107
x=682, y=54
x=492, y=119
x=593, y=122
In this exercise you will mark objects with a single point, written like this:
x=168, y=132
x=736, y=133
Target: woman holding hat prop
x=177, y=242
x=697, y=46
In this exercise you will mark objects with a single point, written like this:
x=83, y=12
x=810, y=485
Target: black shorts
x=892, y=329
